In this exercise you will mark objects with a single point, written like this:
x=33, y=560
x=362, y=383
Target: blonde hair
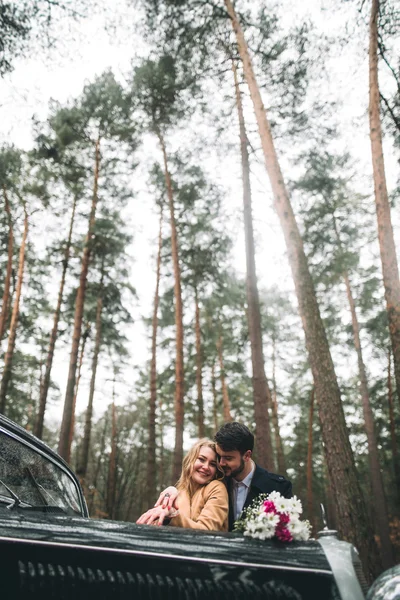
x=185, y=480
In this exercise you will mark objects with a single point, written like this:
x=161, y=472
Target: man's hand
x=155, y=516
x=168, y=498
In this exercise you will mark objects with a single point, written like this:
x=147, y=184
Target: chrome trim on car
x=213, y=561
x=339, y=557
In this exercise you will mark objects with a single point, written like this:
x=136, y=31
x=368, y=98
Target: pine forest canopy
x=26, y=21
x=200, y=224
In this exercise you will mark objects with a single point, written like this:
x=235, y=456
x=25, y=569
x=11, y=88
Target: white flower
x=274, y=497
x=282, y=505
x=300, y=530
x=261, y=526
x=279, y=501
x=259, y=533
x=294, y=506
x=271, y=518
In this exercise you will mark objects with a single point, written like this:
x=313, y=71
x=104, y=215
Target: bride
x=202, y=501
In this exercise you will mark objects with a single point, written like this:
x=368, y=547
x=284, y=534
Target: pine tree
x=151, y=445
x=280, y=455
x=64, y=169
x=395, y=456
x=12, y=180
x=84, y=457
x=310, y=496
x=14, y=319
x=390, y=267
x=108, y=260
x=226, y=347
x=10, y=174
x=262, y=394
x=102, y=114
x=284, y=347
x=112, y=468
x=156, y=88
x=7, y=281
x=84, y=338
x=23, y=23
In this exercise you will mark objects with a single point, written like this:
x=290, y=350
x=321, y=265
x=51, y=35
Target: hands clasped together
x=166, y=507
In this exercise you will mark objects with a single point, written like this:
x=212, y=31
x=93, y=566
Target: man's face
x=232, y=461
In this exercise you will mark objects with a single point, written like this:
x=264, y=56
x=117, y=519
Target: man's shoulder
x=259, y=471
x=262, y=478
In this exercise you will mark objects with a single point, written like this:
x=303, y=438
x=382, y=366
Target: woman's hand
x=155, y=516
x=168, y=498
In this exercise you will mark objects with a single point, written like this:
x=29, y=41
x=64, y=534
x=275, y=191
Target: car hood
x=129, y=538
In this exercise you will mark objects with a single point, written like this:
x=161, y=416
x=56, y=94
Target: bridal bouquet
x=273, y=515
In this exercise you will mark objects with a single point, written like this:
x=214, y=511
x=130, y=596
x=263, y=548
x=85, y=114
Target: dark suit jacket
x=263, y=482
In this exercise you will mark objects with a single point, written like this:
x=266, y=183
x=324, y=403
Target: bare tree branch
x=396, y=120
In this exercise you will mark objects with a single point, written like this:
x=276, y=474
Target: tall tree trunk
x=261, y=390
x=78, y=380
x=275, y=418
x=310, y=498
x=79, y=304
x=93, y=492
x=84, y=457
x=179, y=374
x=215, y=399
x=163, y=471
x=351, y=509
x=14, y=319
x=44, y=387
x=29, y=412
x=151, y=446
x=7, y=282
x=395, y=456
x=225, y=394
x=390, y=267
x=199, y=369
x=133, y=489
x=381, y=514
x=112, y=466
x=330, y=504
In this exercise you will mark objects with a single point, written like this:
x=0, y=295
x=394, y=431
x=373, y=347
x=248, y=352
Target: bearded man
x=245, y=480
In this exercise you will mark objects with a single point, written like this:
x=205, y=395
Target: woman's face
x=205, y=466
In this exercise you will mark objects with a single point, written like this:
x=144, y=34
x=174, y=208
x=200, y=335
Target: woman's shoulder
x=215, y=486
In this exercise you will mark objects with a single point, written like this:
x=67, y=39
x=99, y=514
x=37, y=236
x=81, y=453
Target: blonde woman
x=202, y=501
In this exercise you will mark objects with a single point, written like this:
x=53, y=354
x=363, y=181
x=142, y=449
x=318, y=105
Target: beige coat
x=208, y=508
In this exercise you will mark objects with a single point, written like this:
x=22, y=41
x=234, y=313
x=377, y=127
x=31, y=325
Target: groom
x=245, y=479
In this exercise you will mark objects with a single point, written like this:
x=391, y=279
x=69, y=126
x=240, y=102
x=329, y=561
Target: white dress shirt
x=240, y=489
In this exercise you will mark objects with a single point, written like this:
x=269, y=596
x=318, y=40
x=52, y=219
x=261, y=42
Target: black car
x=49, y=548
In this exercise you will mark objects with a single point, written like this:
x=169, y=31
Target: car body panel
x=129, y=538
x=339, y=555
x=135, y=561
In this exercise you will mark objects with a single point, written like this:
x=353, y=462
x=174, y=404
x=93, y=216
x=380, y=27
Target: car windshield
x=28, y=477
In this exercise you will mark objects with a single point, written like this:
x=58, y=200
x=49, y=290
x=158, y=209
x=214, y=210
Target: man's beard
x=239, y=470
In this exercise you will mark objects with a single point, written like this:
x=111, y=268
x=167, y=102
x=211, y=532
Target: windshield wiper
x=37, y=486
x=17, y=501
